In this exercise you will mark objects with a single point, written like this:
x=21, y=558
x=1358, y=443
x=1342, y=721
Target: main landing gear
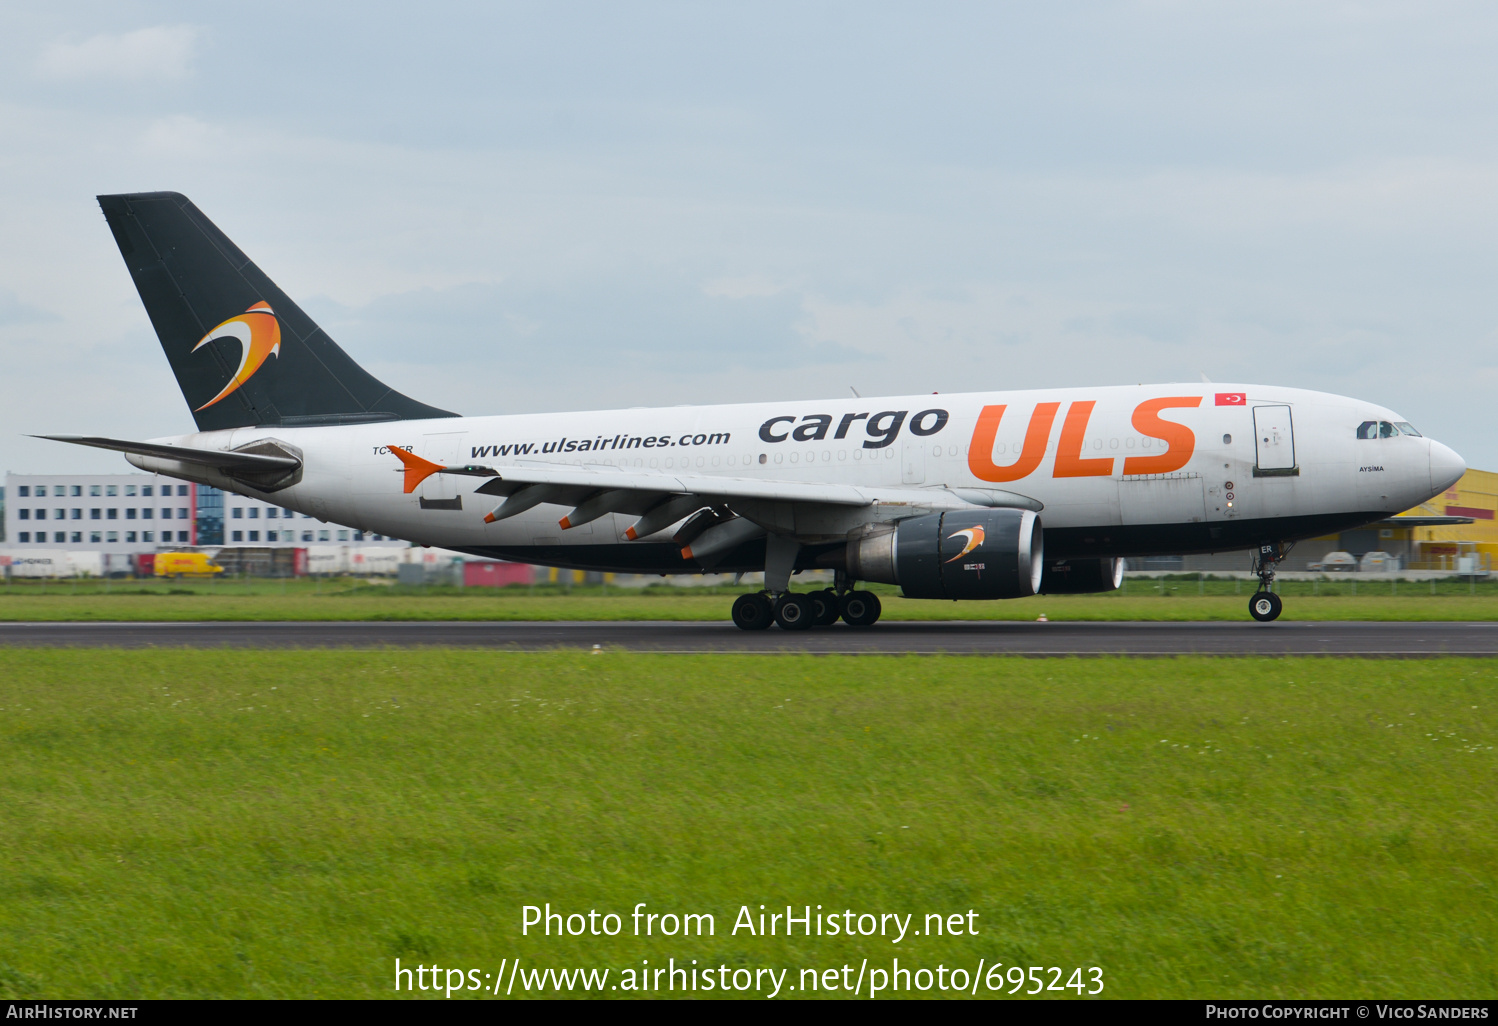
x=803, y=611
x=1265, y=605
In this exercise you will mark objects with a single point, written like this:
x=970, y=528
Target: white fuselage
x=1146, y=468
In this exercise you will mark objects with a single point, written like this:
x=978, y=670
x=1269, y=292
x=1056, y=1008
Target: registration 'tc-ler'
x=942, y=495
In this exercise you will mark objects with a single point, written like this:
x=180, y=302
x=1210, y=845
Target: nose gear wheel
x=1265, y=605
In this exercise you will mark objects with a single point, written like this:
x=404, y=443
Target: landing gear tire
x=1265, y=606
x=827, y=606
x=795, y=612
x=861, y=609
x=752, y=612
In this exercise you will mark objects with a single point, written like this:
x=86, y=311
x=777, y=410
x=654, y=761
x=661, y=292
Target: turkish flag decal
x=1232, y=399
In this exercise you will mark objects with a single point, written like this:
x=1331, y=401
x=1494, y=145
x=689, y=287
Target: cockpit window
x=1384, y=429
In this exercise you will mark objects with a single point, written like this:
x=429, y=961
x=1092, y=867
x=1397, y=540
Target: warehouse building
x=103, y=512
x=1450, y=545
x=126, y=514
x=1456, y=532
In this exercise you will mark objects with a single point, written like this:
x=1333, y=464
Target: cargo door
x=913, y=463
x=1162, y=499
x=1274, y=442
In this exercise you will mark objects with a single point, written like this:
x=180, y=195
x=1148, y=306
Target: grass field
x=289, y=823
x=1160, y=599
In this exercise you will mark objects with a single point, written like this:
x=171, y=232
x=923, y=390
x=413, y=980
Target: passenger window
x=1368, y=429
x=1386, y=430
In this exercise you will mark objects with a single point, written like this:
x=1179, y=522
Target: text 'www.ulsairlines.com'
x=686, y=976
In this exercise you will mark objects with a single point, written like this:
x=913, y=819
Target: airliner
x=976, y=495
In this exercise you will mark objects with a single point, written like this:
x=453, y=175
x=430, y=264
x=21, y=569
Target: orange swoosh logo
x=259, y=335
x=974, y=536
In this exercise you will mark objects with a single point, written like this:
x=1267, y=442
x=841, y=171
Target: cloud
x=508, y=210
x=13, y=311
x=162, y=53
x=624, y=322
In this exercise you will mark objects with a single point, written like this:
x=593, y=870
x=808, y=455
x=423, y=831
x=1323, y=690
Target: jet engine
x=979, y=554
x=1082, y=576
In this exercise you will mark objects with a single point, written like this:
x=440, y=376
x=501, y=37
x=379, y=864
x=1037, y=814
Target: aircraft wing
x=660, y=499
x=510, y=479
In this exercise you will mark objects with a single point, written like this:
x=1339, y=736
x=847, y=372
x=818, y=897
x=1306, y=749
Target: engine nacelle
x=1082, y=576
x=979, y=554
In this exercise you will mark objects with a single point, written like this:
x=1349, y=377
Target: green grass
x=1181, y=598
x=274, y=824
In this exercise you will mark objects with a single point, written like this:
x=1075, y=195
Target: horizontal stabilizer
x=224, y=460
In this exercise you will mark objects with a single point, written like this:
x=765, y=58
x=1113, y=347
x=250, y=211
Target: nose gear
x=1265, y=605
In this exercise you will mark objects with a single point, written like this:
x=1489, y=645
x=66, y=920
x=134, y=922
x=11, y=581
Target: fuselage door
x=1274, y=439
x=913, y=462
x=1162, y=499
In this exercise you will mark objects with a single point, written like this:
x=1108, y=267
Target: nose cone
x=1446, y=467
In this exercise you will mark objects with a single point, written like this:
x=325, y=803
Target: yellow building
x=1439, y=548
x=1456, y=532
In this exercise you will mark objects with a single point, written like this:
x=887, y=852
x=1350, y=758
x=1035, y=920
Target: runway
x=1389, y=639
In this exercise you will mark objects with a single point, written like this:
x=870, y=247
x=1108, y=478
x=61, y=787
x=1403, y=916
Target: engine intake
x=1082, y=576
x=982, y=554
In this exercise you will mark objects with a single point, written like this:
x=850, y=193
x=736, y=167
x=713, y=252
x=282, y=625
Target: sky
x=504, y=208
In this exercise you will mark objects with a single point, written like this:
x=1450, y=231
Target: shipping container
x=487, y=574
x=327, y=559
x=40, y=563
x=85, y=563
x=370, y=562
x=262, y=561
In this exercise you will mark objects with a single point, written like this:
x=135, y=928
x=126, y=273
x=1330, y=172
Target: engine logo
x=974, y=536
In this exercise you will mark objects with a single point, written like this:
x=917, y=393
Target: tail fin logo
x=974, y=536
x=259, y=335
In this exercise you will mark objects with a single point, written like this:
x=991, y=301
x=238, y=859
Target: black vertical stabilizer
x=208, y=302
